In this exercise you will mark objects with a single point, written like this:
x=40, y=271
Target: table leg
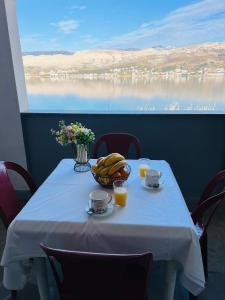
x=171, y=273
x=41, y=276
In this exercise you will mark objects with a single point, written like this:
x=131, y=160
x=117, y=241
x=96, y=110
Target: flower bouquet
x=80, y=138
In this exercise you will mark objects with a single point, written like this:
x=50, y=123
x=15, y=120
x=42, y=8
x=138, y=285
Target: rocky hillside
x=210, y=56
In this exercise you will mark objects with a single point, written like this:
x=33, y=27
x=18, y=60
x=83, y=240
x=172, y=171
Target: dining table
x=155, y=220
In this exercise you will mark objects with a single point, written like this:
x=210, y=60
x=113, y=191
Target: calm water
x=144, y=95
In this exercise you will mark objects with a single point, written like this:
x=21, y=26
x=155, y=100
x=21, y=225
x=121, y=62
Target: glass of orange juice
x=120, y=192
x=144, y=166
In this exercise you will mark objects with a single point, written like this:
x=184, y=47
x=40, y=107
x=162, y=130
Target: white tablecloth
x=158, y=221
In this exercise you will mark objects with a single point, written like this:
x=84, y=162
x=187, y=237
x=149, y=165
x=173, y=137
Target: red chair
x=100, y=276
x=217, y=181
x=9, y=204
x=214, y=186
x=197, y=215
x=118, y=142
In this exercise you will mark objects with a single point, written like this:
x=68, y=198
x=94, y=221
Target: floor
x=215, y=288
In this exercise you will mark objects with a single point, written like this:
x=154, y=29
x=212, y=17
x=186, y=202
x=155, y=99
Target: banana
x=102, y=162
x=108, y=157
x=104, y=180
x=113, y=159
x=99, y=169
x=116, y=167
x=104, y=171
x=99, y=159
x=94, y=168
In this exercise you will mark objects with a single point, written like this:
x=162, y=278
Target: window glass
x=124, y=56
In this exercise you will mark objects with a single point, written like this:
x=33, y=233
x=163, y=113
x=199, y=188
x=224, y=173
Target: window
x=124, y=56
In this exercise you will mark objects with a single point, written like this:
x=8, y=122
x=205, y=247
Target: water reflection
x=152, y=94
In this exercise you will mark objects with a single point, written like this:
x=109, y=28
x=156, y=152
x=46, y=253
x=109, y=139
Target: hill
x=204, y=58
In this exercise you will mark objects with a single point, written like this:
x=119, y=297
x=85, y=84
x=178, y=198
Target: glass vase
x=81, y=154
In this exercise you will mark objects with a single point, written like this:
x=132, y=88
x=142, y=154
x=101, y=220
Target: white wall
x=12, y=87
x=10, y=6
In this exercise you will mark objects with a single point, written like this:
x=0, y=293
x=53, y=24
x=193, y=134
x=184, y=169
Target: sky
x=71, y=25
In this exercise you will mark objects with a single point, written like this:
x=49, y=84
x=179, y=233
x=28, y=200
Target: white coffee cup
x=152, y=178
x=99, y=201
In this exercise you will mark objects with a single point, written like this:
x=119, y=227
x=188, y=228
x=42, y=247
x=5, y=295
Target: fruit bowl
x=107, y=181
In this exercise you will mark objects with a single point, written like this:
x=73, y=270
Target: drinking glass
x=144, y=166
x=120, y=192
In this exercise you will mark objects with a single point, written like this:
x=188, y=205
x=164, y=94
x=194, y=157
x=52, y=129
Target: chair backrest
x=211, y=203
x=100, y=276
x=216, y=181
x=118, y=142
x=9, y=205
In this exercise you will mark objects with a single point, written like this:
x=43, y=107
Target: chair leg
x=204, y=249
x=206, y=257
x=192, y=297
x=13, y=295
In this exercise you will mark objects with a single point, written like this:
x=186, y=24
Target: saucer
x=108, y=211
x=161, y=183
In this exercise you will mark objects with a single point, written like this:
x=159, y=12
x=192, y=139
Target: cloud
x=200, y=22
x=66, y=26
x=144, y=25
x=78, y=7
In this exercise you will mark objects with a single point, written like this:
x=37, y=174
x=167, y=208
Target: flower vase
x=81, y=156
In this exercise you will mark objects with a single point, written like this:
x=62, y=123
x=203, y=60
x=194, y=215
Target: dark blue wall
x=194, y=145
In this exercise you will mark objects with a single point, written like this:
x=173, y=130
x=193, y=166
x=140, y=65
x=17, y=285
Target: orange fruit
x=116, y=175
x=124, y=172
